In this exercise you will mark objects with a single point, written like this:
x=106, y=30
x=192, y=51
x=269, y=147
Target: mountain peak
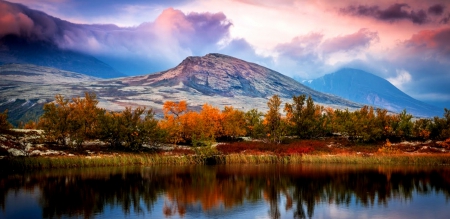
x=220, y=75
x=366, y=88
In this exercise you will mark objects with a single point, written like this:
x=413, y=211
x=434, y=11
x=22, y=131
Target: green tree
x=275, y=127
x=254, y=123
x=130, y=129
x=405, y=125
x=111, y=128
x=294, y=115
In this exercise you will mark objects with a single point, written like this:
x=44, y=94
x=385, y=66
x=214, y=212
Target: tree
x=294, y=115
x=83, y=118
x=75, y=120
x=233, y=122
x=405, y=125
x=4, y=124
x=172, y=122
x=130, y=129
x=111, y=128
x=254, y=123
x=138, y=130
x=275, y=127
x=55, y=120
x=421, y=128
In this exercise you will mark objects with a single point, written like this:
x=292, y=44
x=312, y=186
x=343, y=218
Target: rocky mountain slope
x=39, y=74
x=215, y=79
x=25, y=88
x=369, y=89
x=225, y=76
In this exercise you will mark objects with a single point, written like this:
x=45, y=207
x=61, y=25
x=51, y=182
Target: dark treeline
x=72, y=122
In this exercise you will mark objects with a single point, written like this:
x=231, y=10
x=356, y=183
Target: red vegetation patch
x=299, y=147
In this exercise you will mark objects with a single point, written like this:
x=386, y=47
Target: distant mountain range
x=365, y=88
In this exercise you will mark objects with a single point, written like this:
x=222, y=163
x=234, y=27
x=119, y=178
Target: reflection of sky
x=25, y=204
x=433, y=205
x=22, y=204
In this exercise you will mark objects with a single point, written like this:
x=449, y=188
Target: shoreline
x=14, y=164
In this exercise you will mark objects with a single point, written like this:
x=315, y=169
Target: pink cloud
x=362, y=38
x=430, y=43
x=301, y=46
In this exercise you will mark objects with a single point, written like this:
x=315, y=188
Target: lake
x=229, y=191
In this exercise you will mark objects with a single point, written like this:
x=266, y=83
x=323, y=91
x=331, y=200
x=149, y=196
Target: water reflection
x=289, y=190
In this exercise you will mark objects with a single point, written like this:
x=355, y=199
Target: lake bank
x=26, y=150
x=142, y=159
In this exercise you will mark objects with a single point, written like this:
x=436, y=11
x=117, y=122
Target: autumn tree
x=83, y=118
x=4, y=124
x=55, y=120
x=211, y=120
x=172, y=122
x=232, y=122
x=421, y=128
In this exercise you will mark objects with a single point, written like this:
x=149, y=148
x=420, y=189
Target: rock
x=16, y=152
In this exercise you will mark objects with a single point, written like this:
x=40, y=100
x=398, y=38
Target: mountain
x=365, y=88
x=23, y=88
x=215, y=79
x=221, y=75
x=39, y=74
x=20, y=50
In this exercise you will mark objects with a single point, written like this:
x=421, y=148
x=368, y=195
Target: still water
x=229, y=191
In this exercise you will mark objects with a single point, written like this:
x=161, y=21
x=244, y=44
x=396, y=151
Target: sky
x=406, y=42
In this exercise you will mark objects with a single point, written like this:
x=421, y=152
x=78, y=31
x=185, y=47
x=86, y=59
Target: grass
x=31, y=163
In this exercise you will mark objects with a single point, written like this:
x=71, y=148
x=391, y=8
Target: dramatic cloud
x=168, y=40
x=361, y=39
x=393, y=13
x=429, y=44
x=436, y=9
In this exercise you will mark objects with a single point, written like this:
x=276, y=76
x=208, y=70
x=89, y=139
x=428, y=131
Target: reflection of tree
x=87, y=192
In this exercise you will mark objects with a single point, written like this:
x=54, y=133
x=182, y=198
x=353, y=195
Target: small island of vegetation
x=77, y=133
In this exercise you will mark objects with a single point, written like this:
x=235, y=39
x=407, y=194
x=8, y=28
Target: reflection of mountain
x=366, y=88
x=180, y=189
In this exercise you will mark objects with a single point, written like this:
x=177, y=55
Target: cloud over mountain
x=173, y=32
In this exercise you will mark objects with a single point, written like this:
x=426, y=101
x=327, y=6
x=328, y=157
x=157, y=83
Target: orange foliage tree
x=172, y=123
